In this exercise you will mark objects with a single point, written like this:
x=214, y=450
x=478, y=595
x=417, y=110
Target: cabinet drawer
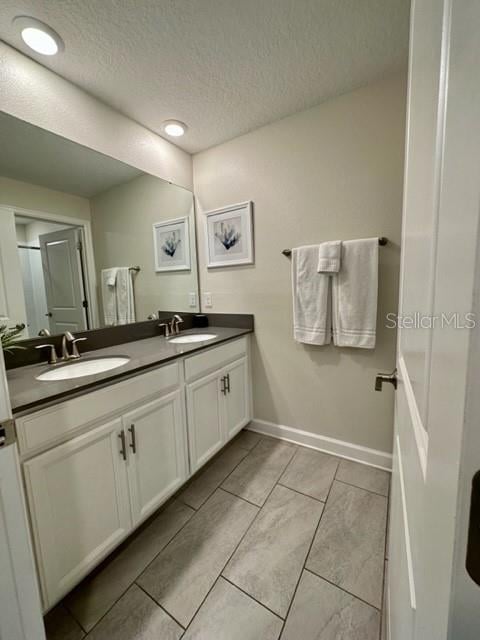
x=57, y=423
x=214, y=358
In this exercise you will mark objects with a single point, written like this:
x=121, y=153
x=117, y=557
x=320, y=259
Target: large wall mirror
x=87, y=241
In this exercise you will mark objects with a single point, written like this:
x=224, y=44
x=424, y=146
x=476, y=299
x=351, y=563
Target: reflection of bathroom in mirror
x=77, y=229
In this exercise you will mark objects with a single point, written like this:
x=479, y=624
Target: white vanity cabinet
x=125, y=453
x=79, y=506
x=218, y=398
x=97, y=465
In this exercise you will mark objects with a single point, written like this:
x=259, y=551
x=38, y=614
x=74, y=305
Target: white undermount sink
x=83, y=368
x=194, y=337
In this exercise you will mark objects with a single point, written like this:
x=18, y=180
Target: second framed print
x=229, y=235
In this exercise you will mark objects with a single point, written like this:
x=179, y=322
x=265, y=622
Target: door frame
x=89, y=262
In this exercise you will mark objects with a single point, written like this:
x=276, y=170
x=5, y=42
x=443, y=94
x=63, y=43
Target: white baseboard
x=348, y=450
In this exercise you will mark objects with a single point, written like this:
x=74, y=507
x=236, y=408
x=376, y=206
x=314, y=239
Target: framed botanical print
x=229, y=235
x=171, y=242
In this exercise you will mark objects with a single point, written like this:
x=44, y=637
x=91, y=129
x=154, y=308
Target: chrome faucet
x=171, y=328
x=70, y=338
x=176, y=320
x=66, y=339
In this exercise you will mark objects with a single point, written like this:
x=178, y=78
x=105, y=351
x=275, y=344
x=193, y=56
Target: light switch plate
x=192, y=299
x=207, y=298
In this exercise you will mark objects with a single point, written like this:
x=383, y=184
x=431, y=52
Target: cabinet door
x=157, y=453
x=237, y=401
x=205, y=419
x=79, y=506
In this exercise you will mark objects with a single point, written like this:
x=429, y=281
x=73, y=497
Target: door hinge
x=85, y=304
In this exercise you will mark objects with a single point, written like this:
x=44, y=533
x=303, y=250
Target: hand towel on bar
x=109, y=296
x=329, y=257
x=354, y=295
x=311, y=299
x=125, y=299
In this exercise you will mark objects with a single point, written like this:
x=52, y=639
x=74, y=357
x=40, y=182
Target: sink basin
x=82, y=368
x=194, y=337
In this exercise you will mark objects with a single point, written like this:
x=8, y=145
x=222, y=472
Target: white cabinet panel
x=156, y=461
x=79, y=503
x=46, y=427
x=215, y=358
x=205, y=419
x=237, y=402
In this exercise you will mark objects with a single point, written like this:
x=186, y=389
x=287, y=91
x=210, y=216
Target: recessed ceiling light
x=174, y=128
x=39, y=36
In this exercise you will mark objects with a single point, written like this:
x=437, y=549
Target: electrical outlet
x=207, y=298
x=192, y=299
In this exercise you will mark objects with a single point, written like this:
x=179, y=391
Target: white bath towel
x=311, y=299
x=354, y=295
x=109, y=296
x=329, y=257
x=124, y=296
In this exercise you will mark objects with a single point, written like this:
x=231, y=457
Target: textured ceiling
x=37, y=156
x=224, y=67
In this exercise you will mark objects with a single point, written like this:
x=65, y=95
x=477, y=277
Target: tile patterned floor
x=268, y=541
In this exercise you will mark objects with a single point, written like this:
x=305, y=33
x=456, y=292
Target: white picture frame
x=229, y=235
x=171, y=245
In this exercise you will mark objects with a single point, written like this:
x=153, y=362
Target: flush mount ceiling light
x=38, y=36
x=174, y=128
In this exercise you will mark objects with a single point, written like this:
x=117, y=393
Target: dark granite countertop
x=28, y=394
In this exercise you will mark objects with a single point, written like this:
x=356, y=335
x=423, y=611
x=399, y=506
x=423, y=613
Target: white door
x=79, y=503
x=20, y=609
x=157, y=463
x=205, y=418
x=12, y=301
x=237, y=401
x=62, y=263
x=439, y=245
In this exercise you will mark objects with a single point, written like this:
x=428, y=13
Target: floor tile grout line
x=317, y=575
x=230, y=493
x=134, y=581
x=275, y=484
x=62, y=604
x=301, y=493
x=238, y=544
x=249, y=595
x=326, y=579
x=289, y=463
x=306, y=557
x=218, y=485
x=350, y=484
x=382, y=610
x=159, y=605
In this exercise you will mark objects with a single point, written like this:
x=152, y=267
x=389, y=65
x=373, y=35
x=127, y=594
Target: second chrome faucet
x=172, y=328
